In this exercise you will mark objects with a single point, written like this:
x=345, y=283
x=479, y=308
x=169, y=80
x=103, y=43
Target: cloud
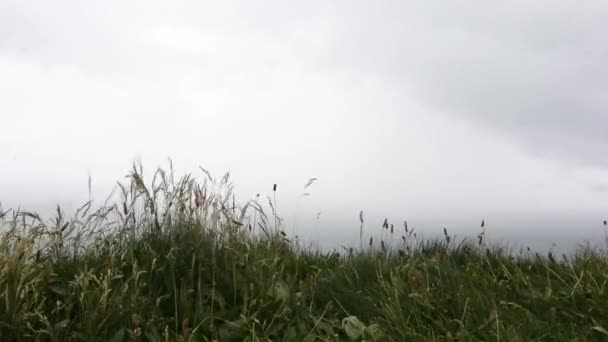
x=535, y=72
x=419, y=108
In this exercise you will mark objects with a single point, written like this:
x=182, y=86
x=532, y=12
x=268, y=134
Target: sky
x=439, y=113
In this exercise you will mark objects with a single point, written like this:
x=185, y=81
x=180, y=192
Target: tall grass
x=176, y=259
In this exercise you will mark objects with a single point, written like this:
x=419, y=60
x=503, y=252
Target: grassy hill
x=178, y=260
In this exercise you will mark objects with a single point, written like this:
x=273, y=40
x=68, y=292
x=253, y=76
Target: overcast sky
x=438, y=112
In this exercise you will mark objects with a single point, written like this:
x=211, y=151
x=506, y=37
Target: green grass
x=173, y=260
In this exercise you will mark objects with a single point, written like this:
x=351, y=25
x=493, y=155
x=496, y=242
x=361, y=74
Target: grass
x=179, y=260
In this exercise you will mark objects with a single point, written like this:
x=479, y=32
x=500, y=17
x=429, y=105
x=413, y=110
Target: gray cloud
x=535, y=72
x=439, y=112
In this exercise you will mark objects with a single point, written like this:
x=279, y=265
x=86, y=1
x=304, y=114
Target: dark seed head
x=551, y=258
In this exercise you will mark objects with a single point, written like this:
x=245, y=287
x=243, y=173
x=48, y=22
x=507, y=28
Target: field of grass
x=178, y=260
